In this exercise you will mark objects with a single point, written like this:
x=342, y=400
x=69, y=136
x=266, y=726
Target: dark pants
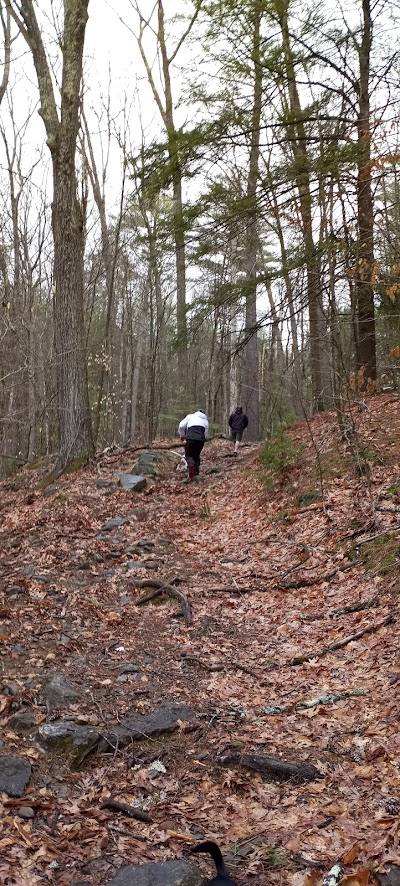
x=192, y=452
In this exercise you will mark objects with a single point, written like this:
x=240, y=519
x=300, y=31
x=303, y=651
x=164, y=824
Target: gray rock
x=57, y=691
x=10, y=688
x=104, y=484
x=165, y=873
x=136, y=564
x=142, y=468
x=151, y=564
x=130, y=669
x=133, y=482
x=29, y=571
x=148, y=455
x=68, y=735
x=23, y=720
x=134, y=727
x=389, y=876
x=114, y=523
x=15, y=590
x=15, y=773
x=25, y=812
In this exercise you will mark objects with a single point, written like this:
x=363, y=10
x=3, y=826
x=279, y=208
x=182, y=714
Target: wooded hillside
x=254, y=701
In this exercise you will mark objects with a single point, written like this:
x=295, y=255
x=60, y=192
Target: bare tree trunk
x=366, y=345
x=135, y=373
x=251, y=392
x=298, y=143
x=109, y=257
x=166, y=109
x=75, y=431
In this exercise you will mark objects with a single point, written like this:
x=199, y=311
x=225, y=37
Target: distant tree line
x=253, y=253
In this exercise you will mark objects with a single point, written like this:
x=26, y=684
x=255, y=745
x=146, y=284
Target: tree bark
x=75, y=432
x=251, y=392
x=298, y=143
x=365, y=345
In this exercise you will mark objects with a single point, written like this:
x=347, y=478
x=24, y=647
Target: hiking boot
x=192, y=471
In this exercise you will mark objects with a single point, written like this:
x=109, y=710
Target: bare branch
x=6, y=25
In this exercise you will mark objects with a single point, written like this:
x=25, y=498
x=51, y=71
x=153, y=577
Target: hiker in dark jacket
x=194, y=427
x=238, y=422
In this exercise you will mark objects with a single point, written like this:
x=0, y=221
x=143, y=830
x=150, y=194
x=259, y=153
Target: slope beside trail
x=271, y=577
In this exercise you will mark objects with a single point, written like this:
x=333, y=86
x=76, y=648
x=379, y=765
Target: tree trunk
x=298, y=143
x=75, y=432
x=179, y=229
x=366, y=345
x=251, y=392
x=69, y=329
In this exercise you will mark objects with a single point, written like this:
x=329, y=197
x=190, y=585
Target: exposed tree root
x=161, y=588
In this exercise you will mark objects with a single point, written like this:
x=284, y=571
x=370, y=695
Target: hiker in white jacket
x=194, y=427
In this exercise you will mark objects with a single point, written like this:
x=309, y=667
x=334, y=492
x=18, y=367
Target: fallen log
x=271, y=766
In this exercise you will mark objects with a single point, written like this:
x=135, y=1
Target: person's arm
x=206, y=428
x=230, y=419
x=182, y=427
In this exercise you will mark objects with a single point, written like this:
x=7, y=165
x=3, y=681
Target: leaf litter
x=268, y=580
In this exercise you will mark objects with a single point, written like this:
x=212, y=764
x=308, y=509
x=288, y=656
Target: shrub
x=279, y=454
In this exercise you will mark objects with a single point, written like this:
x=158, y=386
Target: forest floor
x=276, y=567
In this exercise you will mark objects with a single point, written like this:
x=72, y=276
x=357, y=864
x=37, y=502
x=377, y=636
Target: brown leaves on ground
x=269, y=578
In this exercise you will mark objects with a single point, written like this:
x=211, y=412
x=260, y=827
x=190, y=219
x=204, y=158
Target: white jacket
x=194, y=426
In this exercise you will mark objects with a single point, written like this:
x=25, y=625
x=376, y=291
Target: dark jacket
x=238, y=421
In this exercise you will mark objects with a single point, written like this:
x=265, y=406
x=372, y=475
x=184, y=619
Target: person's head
x=238, y=409
x=202, y=410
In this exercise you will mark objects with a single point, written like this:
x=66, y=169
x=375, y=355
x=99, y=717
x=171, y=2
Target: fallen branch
x=365, y=541
x=125, y=833
x=300, y=659
x=162, y=588
x=235, y=590
x=271, y=767
x=308, y=582
x=242, y=667
x=313, y=702
x=357, y=607
x=126, y=809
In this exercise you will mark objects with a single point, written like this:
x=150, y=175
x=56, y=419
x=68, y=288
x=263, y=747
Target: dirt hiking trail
x=280, y=643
